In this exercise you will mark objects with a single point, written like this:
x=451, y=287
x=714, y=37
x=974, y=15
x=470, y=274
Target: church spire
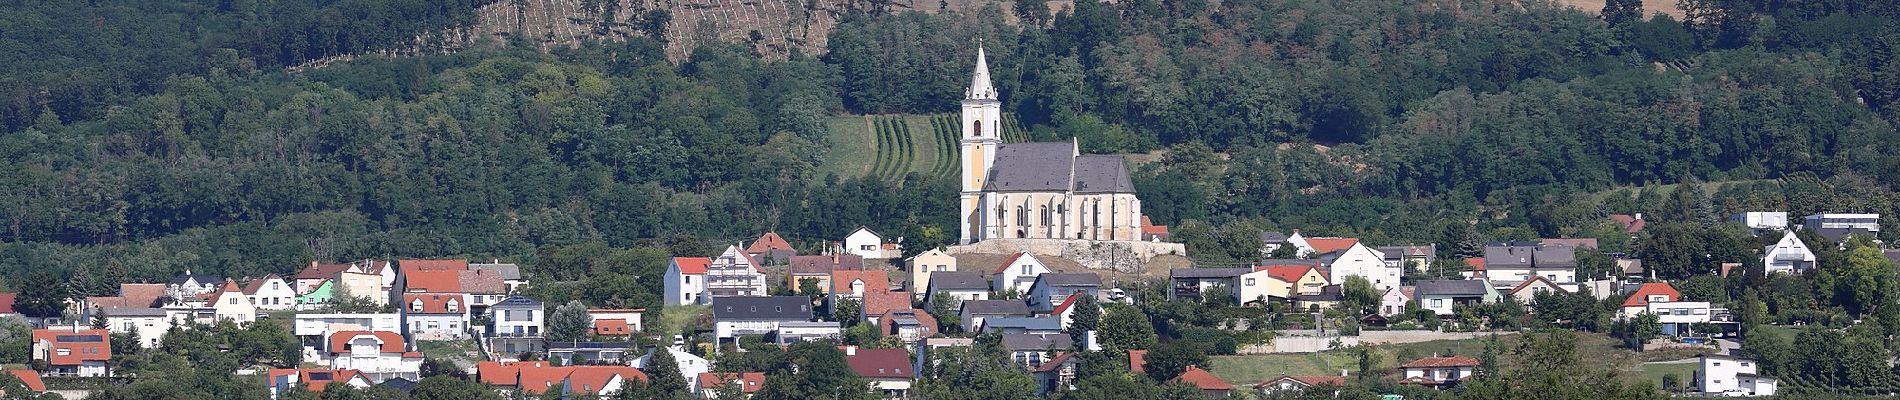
x=980, y=88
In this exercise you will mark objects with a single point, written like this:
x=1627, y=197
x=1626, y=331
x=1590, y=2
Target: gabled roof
x=1582, y=243
x=481, y=282
x=504, y=373
x=1024, y=323
x=1452, y=288
x=30, y=378
x=510, y=272
x=202, y=279
x=776, y=308
x=1271, y=237
x=255, y=285
x=957, y=280
x=881, y=363
x=83, y=345
x=995, y=307
x=877, y=303
x=6, y=302
x=391, y=341
x=1536, y=279
x=433, y=281
x=1138, y=361
x=592, y=379
x=316, y=379
x=768, y=242
x=410, y=266
x=1288, y=273
x=1307, y=380
x=1056, y=167
x=893, y=319
x=1641, y=297
x=749, y=382
x=692, y=265
x=1631, y=224
x=874, y=281
x=1069, y=279
x=321, y=271
x=1199, y=273
x=433, y=303
x=131, y=295
x=1442, y=362
x=1037, y=341
x=822, y=265
x=1476, y=263
x=1055, y=363
x=1012, y=261
x=230, y=288
x=1323, y=245
x=612, y=327
x=1067, y=302
x=1202, y=379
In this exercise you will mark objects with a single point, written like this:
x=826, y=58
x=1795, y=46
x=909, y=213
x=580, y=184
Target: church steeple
x=980, y=88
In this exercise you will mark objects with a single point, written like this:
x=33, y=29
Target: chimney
x=1639, y=216
x=1342, y=372
x=850, y=350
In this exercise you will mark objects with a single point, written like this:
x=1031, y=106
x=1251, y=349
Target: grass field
x=1251, y=369
x=894, y=145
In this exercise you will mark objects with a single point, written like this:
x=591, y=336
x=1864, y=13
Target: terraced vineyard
x=892, y=146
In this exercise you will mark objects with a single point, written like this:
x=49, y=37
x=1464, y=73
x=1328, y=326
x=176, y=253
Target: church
x=1037, y=190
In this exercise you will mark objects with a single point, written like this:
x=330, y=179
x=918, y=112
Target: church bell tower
x=982, y=133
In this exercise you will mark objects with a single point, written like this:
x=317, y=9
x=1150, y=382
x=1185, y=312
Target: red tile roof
x=1289, y=273
x=230, y=286
x=321, y=271
x=1202, y=379
x=692, y=265
x=881, y=363
x=481, y=282
x=749, y=381
x=1534, y=279
x=1008, y=262
x=433, y=281
x=1148, y=227
x=6, y=302
x=592, y=379
x=1476, y=263
x=409, y=266
x=1442, y=362
x=538, y=380
x=434, y=303
x=1066, y=302
x=1137, y=361
x=1641, y=297
x=311, y=384
x=768, y=242
x=1630, y=223
x=878, y=303
x=131, y=295
x=612, y=327
x=1323, y=245
x=30, y=378
x=887, y=322
x=391, y=341
x=874, y=281
x=81, y=345
x=1056, y=362
x=504, y=373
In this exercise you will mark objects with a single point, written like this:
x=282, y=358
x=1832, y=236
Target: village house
x=924, y=266
x=516, y=325
x=1760, y=222
x=871, y=246
x=313, y=329
x=1653, y=292
x=1788, y=256
x=1057, y=374
x=1194, y=283
x=1392, y=302
x=817, y=269
x=579, y=381
x=483, y=287
x=1210, y=385
x=316, y=274
x=1302, y=276
x=616, y=323
x=956, y=287
x=321, y=295
x=511, y=278
x=1631, y=224
x=1345, y=257
x=131, y=295
x=1259, y=286
x=281, y=381
x=876, y=304
x=888, y=370
x=691, y=280
x=909, y=325
x=271, y=293
x=189, y=287
x=1046, y=324
x=230, y=303
x=1151, y=232
x=689, y=364
x=737, y=316
x=588, y=352
x=1438, y=372
x=1527, y=292
x=1030, y=350
x=855, y=285
x=372, y=280
x=1049, y=289
x=1327, y=298
x=713, y=384
x=73, y=351
x=1300, y=383
x=1509, y=264
x=1065, y=311
x=686, y=280
x=974, y=312
x=149, y=324
x=1410, y=257
x=380, y=355
x=1443, y=296
x=1730, y=375
x=771, y=249
x=435, y=316
x=1017, y=273
x=1271, y=242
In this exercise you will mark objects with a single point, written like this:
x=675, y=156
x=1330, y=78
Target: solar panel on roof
x=80, y=339
x=320, y=376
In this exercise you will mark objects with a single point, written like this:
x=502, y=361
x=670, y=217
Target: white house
x=149, y=323
x=282, y=381
x=1654, y=292
x=1678, y=317
x=1051, y=288
x=686, y=280
x=1392, y=302
x=1510, y=264
x=516, y=316
x=1724, y=375
x=1017, y=273
x=733, y=273
x=1443, y=296
x=1789, y=256
x=1361, y=261
x=380, y=355
x=321, y=324
x=869, y=245
x=1527, y=292
x=231, y=304
x=1438, y=372
x=435, y=316
x=188, y=287
x=1837, y=226
x=956, y=287
x=1760, y=221
x=271, y=293
x=757, y=315
x=616, y=322
x=690, y=365
x=1298, y=241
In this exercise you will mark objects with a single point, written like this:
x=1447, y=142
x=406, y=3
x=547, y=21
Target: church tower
x=982, y=133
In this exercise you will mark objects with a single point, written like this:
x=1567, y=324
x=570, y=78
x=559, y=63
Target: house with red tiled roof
x=379, y=355
x=1438, y=372
x=1210, y=385
x=1324, y=245
x=28, y=378
x=693, y=280
x=1018, y=273
x=1151, y=232
x=408, y=266
x=231, y=304
x=710, y=384
x=817, y=269
x=1653, y=292
x=71, y=351
x=876, y=304
x=271, y=293
x=771, y=249
x=504, y=374
x=888, y=370
x=131, y=295
x=309, y=277
x=1066, y=309
x=435, y=316
x=281, y=381
x=909, y=325
x=1297, y=383
x=484, y=287
x=536, y=378
x=1138, y=359
x=849, y=284
x=1477, y=265
x=616, y=322
x=1632, y=224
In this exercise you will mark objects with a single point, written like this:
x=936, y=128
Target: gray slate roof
x=769, y=308
x=1272, y=237
x=1070, y=279
x=1452, y=288
x=518, y=302
x=957, y=280
x=822, y=265
x=1046, y=323
x=510, y=272
x=995, y=307
x=132, y=312
x=1050, y=167
x=1196, y=273
x=1036, y=341
x=1521, y=255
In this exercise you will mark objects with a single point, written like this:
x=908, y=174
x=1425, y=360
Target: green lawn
x=850, y=147
x=461, y=350
x=1654, y=372
x=673, y=319
x=1250, y=369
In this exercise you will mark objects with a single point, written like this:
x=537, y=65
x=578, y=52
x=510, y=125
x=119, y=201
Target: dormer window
x=454, y=306
x=415, y=305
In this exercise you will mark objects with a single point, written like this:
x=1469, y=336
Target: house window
x=234, y=300
x=454, y=306
x=1249, y=281
x=1437, y=303
x=866, y=247
x=1025, y=270
x=689, y=279
x=415, y=305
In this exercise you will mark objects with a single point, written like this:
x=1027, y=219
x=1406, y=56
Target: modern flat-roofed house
x=1730, y=375
x=1838, y=226
x=1759, y=222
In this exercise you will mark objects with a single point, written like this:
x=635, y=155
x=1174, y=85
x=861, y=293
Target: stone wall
x=1120, y=256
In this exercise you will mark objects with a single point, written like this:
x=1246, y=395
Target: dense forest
x=145, y=138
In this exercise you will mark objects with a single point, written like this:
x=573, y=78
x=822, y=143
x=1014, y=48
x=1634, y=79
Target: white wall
x=1365, y=262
